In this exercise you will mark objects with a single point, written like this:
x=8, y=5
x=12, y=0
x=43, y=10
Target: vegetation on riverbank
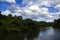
x=17, y=24
x=56, y=23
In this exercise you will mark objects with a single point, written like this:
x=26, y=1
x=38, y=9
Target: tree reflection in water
x=11, y=36
x=35, y=34
x=19, y=36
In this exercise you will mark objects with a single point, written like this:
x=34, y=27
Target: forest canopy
x=17, y=24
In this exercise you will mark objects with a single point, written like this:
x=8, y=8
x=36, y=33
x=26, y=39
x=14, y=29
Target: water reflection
x=7, y=36
x=48, y=33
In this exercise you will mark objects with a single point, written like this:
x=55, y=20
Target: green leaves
x=10, y=23
x=57, y=23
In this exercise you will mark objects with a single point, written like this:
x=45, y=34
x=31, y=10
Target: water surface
x=48, y=33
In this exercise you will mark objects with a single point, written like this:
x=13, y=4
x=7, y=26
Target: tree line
x=56, y=23
x=17, y=24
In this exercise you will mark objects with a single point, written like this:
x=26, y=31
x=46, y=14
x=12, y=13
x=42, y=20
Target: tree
x=56, y=23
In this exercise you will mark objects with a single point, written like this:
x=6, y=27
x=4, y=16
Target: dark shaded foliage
x=56, y=23
x=17, y=24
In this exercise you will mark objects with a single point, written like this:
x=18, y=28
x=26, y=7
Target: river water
x=48, y=33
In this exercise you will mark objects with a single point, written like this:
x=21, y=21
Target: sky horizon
x=39, y=10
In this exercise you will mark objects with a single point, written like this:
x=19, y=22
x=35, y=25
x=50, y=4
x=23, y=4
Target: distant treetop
x=0, y=11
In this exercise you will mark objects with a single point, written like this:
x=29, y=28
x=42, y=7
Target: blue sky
x=39, y=10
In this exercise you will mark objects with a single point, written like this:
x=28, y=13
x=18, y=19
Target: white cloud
x=46, y=3
x=38, y=11
x=18, y=11
x=10, y=1
x=13, y=7
x=7, y=12
x=39, y=2
x=45, y=9
x=16, y=14
x=28, y=12
x=34, y=8
x=49, y=16
x=56, y=1
x=15, y=10
x=57, y=6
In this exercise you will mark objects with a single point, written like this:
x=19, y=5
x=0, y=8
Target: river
x=48, y=33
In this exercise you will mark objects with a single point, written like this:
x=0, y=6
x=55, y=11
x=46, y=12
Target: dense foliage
x=17, y=24
x=56, y=23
